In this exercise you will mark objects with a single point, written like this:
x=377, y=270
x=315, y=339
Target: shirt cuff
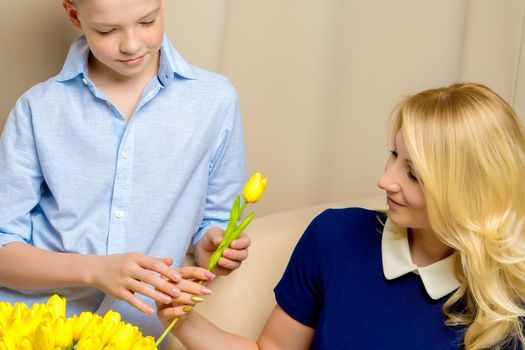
x=206, y=225
x=6, y=238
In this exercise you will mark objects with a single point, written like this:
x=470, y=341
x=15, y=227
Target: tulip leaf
x=242, y=226
x=229, y=237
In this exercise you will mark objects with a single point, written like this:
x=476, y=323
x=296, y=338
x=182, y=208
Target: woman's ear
x=72, y=13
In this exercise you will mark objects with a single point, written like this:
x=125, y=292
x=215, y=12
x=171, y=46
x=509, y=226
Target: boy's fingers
x=158, y=282
x=234, y=254
x=242, y=242
x=147, y=291
x=157, y=265
x=135, y=302
x=229, y=264
x=215, y=236
x=193, y=272
x=167, y=261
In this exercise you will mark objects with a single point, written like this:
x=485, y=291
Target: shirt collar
x=171, y=62
x=439, y=278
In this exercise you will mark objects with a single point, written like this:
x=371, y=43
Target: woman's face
x=405, y=197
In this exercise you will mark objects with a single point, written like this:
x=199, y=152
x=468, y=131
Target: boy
x=109, y=170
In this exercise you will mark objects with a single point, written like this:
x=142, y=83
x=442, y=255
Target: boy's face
x=123, y=35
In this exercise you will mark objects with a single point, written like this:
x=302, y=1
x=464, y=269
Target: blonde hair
x=468, y=148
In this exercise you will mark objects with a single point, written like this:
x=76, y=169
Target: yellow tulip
x=38, y=309
x=7, y=343
x=146, y=343
x=91, y=327
x=63, y=332
x=20, y=310
x=25, y=344
x=123, y=338
x=254, y=189
x=57, y=306
x=106, y=330
x=89, y=343
x=18, y=330
x=43, y=339
x=79, y=323
x=5, y=310
x=112, y=316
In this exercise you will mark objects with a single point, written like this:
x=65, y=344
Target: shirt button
x=119, y=214
x=124, y=155
x=84, y=80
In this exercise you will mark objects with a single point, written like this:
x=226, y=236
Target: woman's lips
x=392, y=202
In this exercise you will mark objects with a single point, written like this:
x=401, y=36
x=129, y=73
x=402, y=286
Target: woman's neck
x=426, y=248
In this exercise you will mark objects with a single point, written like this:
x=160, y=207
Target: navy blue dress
x=334, y=283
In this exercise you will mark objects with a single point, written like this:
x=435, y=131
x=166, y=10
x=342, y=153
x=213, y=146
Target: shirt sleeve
x=20, y=176
x=298, y=292
x=227, y=169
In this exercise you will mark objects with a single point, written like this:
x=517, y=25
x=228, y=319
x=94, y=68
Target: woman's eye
x=412, y=176
x=393, y=153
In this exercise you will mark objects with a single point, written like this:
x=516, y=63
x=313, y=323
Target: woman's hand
x=191, y=293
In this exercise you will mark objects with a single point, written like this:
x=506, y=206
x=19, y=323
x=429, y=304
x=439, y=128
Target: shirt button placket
x=121, y=193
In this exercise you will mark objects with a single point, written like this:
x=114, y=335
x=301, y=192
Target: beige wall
x=317, y=78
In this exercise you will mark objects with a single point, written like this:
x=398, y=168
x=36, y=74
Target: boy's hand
x=232, y=257
x=123, y=275
x=182, y=305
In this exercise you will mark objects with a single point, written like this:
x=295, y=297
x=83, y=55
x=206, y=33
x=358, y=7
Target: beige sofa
x=242, y=301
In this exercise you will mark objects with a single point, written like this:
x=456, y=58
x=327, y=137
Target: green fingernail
x=187, y=309
x=196, y=299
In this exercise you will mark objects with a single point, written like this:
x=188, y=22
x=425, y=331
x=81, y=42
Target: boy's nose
x=130, y=44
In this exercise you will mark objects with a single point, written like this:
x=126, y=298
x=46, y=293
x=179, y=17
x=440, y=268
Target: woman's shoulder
x=342, y=226
x=348, y=219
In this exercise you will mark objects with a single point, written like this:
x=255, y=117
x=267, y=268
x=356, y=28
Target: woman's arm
x=281, y=332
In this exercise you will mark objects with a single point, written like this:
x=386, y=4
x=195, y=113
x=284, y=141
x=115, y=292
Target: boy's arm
x=226, y=180
x=27, y=267
x=120, y=275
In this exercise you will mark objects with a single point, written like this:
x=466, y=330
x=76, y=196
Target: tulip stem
x=166, y=332
x=242, y=208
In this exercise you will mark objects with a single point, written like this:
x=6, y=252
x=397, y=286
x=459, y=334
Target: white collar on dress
x=438, y=278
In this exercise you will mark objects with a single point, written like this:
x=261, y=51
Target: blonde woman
x=442, y=269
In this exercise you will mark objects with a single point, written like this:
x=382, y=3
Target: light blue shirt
x=74, y=177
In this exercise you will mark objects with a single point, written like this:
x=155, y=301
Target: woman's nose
x=388, y=180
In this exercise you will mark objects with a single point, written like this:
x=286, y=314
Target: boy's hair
x=468, y=148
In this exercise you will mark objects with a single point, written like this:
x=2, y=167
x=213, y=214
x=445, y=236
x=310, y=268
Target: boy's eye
x=104, y=32
x=148, y=23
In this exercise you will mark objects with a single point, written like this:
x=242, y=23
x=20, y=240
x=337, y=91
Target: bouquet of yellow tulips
x=45, y=327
